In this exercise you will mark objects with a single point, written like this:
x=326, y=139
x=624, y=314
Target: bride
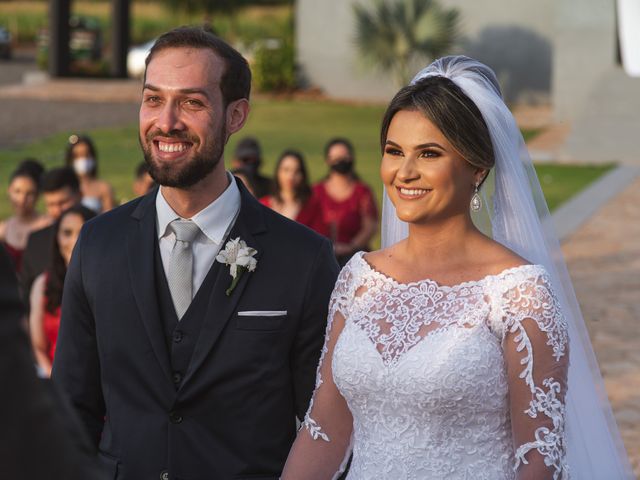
x=453, y=353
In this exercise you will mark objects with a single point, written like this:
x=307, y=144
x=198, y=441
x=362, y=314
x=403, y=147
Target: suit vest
x=181, y=336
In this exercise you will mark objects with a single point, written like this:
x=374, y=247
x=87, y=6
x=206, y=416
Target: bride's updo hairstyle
x=445, y=104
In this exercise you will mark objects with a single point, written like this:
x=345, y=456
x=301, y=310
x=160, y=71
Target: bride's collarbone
x=445, y=273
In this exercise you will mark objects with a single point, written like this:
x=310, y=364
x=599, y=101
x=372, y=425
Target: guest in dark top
x=24, y=190
x=40, y=436
x=292, y=195
x=46, y=292
x=143, y=183
x=248, y=155
x=61, y=191
x=245, y=177
x=348, y=205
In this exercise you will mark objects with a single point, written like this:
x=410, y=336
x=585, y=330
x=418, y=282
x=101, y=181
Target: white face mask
x=83, y=165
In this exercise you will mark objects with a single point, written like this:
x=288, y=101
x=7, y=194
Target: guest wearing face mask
x=96, y=193
x=348, y=205
x=244, y=175
x=46, y=293
x=24, y=189
x=248, y=157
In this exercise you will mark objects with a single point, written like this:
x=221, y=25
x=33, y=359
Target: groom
x=179, y=370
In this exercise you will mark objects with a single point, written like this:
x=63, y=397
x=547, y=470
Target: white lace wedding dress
x=444, y=382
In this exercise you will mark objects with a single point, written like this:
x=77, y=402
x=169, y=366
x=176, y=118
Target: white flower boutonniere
x=239, y=257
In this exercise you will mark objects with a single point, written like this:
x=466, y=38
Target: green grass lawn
x=278, y=124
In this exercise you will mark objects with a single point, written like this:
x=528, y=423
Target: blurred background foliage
x=260, y=29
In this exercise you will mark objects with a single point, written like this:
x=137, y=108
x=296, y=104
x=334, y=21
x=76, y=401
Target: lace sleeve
x=323, y=442
x=535, y=344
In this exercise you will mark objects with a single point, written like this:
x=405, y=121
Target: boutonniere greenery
x=240, y=259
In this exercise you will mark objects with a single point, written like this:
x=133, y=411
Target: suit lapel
x=221, y=307
x=140, y=252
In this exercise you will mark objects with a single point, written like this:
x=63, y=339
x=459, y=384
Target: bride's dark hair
x=448, y=108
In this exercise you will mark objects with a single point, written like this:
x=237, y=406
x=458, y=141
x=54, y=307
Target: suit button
x=164, y=475
x=177, y=336
x=175, y=417
x=177, y=377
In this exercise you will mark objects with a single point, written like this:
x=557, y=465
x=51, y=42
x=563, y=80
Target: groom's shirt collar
x=214, y=220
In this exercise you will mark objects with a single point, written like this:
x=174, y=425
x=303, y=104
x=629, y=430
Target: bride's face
x=425, y=177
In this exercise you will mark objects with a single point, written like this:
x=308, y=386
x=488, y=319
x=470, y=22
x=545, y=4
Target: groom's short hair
x=235, y=82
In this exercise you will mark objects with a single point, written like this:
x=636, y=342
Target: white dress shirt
x=215, y=222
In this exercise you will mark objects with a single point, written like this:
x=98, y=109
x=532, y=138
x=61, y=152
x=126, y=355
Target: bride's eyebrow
x=418, y=147
x=429, y=145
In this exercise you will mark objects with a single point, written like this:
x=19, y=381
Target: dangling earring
x=476, y=201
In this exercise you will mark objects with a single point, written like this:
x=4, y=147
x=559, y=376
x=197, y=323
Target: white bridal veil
x=515, y=214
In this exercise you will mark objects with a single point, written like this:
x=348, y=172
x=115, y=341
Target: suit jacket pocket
x=261, y=323
x=109, y=465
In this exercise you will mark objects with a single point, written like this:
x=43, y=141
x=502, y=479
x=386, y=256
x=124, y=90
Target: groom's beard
x=198, y=166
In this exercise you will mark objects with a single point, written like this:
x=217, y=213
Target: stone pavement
x=41, y=107
x=603, y=257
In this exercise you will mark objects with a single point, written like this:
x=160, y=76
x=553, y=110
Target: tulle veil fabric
x=515, y=214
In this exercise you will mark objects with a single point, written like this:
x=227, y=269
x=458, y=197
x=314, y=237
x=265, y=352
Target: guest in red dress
x=24, y=189
x=292, y=196
x=348, y=204
x=46, y=293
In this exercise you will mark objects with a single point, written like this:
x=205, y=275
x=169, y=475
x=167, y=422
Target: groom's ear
x=236, y=115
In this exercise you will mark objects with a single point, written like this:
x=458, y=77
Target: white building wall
x=513, y=36
x=585, y=51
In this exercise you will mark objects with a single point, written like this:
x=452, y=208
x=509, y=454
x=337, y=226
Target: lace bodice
x=457, y=382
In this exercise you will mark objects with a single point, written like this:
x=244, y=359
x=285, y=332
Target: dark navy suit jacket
x=233, y=416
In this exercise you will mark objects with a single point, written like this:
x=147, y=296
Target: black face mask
x=251, y=167
x=342, y=166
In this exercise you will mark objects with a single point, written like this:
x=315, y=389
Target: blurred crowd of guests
x=39, y=245
x=340, y=207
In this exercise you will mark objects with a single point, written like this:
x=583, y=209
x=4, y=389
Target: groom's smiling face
x=182, y=116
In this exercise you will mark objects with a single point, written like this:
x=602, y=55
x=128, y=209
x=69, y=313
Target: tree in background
x=272, y=55
x=393, y=34
x=229, y=8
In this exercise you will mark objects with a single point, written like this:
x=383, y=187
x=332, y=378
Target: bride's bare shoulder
x=497, y=258
x=381, y=257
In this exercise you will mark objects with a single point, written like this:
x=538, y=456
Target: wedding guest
x=60, y=190
x=40, y=435
x=245, y=177
x=97, y=194
x=24, y=189
x=46, y=293
x=248, y=155
x=348, y=205
x=292, y=195
x=143, y=182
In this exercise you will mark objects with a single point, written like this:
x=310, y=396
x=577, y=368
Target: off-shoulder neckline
x=467, y=283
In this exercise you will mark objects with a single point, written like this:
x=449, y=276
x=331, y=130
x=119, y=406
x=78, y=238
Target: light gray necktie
x=181, y=265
